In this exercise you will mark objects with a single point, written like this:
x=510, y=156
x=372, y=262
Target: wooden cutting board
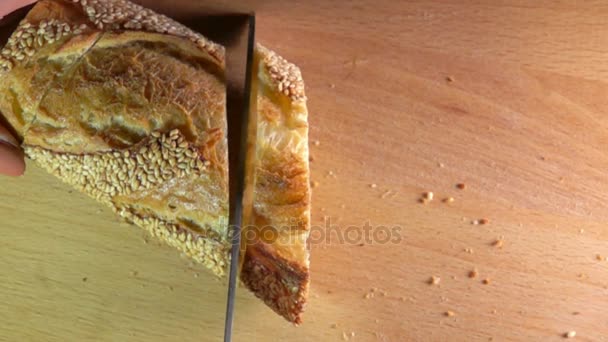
x=509, y=98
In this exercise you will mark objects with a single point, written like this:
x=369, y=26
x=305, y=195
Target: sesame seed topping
x=123, y=14
x=285, y=76
x=107, y=174
x=28, y=38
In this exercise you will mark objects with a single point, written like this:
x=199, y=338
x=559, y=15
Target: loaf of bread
x=128, y=106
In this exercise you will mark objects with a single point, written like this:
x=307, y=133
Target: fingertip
x=12, y=162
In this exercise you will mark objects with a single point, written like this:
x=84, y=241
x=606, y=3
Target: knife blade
x=241, y=125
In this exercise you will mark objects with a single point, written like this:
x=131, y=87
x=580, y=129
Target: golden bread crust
x=276, y=264
x=128, y=106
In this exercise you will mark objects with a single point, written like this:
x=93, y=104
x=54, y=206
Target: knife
x=241, y=117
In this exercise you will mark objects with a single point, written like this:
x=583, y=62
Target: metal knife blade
x=241, y=120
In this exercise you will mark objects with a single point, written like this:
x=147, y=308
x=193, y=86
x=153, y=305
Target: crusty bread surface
x=128, y=106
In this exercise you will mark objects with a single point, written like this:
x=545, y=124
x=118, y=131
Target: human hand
x=11, y=155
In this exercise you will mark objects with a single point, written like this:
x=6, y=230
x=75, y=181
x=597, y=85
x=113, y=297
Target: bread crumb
x=334, y=325
x=314, y=184
x=576, y=313
x=85, y=279
x=377, y=320
x=570, y=334
x=469, y=250
x=449, y=79
x=473, y=273
x=385, y=194
x=448, y=200
x=428, y=195
x=352, y=334
x=494, y=311
x=195, y=275
x=332, y=86
x=344, y=336
x=435, y=280
x=461, y=186
x=497, y=243
x=486, y=281
x=581, y=231
x=480, y=221
x=316, y=143
x=311, y=158
x=441, y=165
x=450, y=313
x=373, y=185
x=599, y=257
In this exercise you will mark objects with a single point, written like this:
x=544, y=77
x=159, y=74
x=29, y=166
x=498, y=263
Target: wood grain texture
x=522, y=124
